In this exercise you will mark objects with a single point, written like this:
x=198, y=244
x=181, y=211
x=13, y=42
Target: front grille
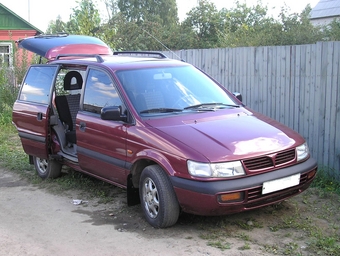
x=285, y=157
x=268, y=162
x=258, y=163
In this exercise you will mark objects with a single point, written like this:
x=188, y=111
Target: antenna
x=163, y=45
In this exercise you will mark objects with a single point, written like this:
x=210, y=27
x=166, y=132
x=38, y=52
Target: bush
x=8, y=94
x=10, y=77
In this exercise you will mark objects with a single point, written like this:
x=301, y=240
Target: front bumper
x=201, y=197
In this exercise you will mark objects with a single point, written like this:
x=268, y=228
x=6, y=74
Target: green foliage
x=251, y=26
x=12, y=157
x=85, y=19
x=206, y=22
x=163, y=12
x=8, y=93
x=332, y=31
x=328, y=180
x=22, y=62
x=57, y=26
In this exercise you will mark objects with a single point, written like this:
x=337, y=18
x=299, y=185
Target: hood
x=231, y=136
x=50, y=46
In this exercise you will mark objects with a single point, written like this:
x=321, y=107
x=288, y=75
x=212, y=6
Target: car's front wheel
x=158, y=197
x=47, y=168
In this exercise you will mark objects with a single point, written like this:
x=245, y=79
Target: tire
x=158, y=198
x=47, y=169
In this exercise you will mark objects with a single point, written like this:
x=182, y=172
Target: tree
x=56, y=26
x=205, y=22
x=332, y=31
x=85, y=19
x=139, y=11
x=251, y=26
x=297, y=28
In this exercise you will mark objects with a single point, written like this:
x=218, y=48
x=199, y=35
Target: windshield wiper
x=207, y=106
x=161, y=110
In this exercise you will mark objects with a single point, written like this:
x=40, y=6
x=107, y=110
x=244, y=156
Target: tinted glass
x=99, y=92
x=37, y=84
x=172, y=87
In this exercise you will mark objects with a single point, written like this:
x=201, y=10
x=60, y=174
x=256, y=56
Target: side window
x=65, y=86
x=99, y=92
x=37, y=84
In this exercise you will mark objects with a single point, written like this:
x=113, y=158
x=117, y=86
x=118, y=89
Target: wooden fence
x=297, y=85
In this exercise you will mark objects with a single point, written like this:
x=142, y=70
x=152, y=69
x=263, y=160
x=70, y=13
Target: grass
x=12, y=157
x=327, y=180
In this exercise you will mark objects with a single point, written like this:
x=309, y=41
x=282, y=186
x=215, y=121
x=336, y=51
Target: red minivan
x=164, y=130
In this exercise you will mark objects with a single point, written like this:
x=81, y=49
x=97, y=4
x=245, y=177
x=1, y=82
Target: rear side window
x=99, y=92
x=37, y=84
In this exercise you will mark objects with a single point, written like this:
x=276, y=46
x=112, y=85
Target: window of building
x=6, y=54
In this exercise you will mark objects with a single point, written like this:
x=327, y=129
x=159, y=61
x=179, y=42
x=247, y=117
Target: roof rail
x=149, y=53
x=59, y=34
x=97, y=56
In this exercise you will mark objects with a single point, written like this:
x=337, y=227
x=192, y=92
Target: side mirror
x=113, y=113
x=238, y=95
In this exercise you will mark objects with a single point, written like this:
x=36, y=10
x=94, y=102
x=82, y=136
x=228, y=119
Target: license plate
x=279, y=184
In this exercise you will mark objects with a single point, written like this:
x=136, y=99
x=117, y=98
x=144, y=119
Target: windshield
x=172, y=89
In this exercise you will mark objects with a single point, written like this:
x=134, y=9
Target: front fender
x=157, y=157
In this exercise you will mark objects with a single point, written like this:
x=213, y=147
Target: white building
x=325, y=12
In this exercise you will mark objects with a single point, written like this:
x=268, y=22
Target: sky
x=40, y=12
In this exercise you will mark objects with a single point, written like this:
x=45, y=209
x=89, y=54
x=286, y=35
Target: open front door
x=32, y=109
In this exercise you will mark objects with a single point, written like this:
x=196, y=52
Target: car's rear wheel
x=158, y=197
x=47, y=168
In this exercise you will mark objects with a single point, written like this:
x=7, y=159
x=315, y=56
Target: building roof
x=11, y=21
x=326, y=9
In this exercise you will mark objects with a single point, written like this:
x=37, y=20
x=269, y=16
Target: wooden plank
x=336, y=94
x=263, y=81
x=328, y=106
x=245, y=70
x=250, y=75
x=299, y=87
x=334, y=99
x=273, y=82
x=315, y=97
x=286, y=92
x=269, y=84
x=278, y=96
x=221, y=65
x=293, y=94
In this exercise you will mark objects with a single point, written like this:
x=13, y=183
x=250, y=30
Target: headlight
x=219, y=170
x=302, y=152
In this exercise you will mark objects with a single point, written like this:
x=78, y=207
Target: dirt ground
x=34, y=221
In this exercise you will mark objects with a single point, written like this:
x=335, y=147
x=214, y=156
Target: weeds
x=219, y=244
x=328, y=180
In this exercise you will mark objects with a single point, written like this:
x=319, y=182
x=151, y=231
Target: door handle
x=39, y=116
x=82, y=126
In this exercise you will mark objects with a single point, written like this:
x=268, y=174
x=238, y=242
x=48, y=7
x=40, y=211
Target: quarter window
x=99, y=92
x=37, y=84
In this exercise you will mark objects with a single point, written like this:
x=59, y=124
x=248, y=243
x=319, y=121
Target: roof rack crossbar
x=159, y=54
x=97, y=56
